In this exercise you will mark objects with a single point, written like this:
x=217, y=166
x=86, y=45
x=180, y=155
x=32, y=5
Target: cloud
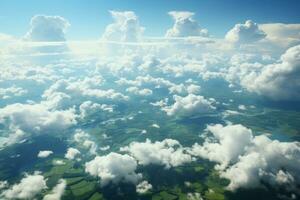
x=84, y=138
x=282, y=34
x=168, y=153
x=47, y=28
x=3, y=184
x=28, y=188
x=87, y=87
x=185, y=25
x=189, y=105
x=26, y=119
x=57, y=191
x=13, y=91
x=245, y=33
x=278, y=81
x=256, y=159
x=141, y=92
x=72, y=153
x=126, y=27
x=143, y=187
x=193, y=89
x=44, y=154
x=227, y=149
x=88, y=107
x=113, y=168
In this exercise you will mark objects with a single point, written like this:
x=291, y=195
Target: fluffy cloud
x=72, y=153
x=37, y=118
x=282, y=34
x=168, y=153
x=87, y=87
x=84, y=138
x=113, y=168
x=47, y=28
x=89, y=107
x=189, y=105
x=57, y=191
x=185, y=25
x=279, y=81
x=28, y=188
x=126, y=27
x=256, y=159
x=44, y=154
x=137, y=91
x=245, y=33
x=6, y=93
x=227, y=150
x=143, y=187
x=26, y=119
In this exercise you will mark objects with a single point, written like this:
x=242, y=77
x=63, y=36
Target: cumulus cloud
x=29, y=119
x=37, y=118
x=168, y=153
x=245, y=33
x=57, y=191
x=141, y=92
x=282, y=34
x=279, y=81
x=9, y=92
x=126, y=27
x=47, y=28
x=87, y=87
x=143, y=187
x=113, y=168
x=227, y=149
x=72, y=153
x=3, y=184
x=84, y=138
x=28, y=188
x=44, y=154
x=185, y=25
x=89, y=107
x=189, y=105
x=256, y=159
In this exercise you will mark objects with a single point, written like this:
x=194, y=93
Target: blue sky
x=89, y=18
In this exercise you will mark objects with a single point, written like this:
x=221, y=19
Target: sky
x=88, y=19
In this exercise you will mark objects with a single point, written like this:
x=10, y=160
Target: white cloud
x=137, y=91
x=282, y=34
x=91, y=145
x=58, y=162
x=47, y=28
x=88, y=87
x=185, y=25
x=44, y=154
x=9, y=92
x=28, y=188
x=143, y=187
x=189, y=105
x=155, y=126
x=227, y=149
x=256, y=159
x=193, y=89
x=84, y=138
x=3, y=184
x=278, y=81
x=168, y=153
x=89, y=107
x=57, y=191
x=72, y=153
x=126, y=27
x=26, y=119
x=245, y=33
x=113, y=168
